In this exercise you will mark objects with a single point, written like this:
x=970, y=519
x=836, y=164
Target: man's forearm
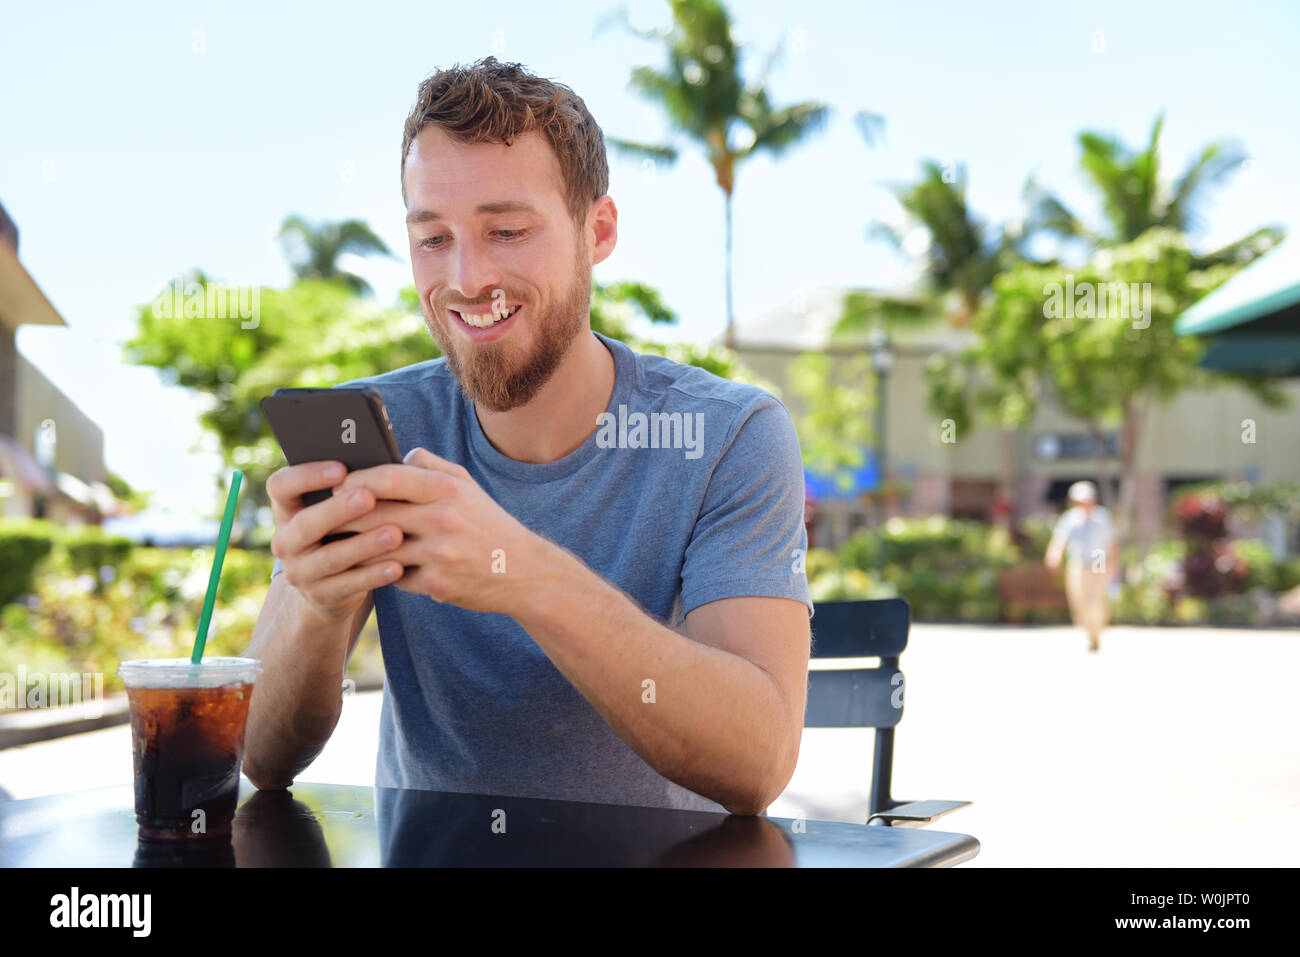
x=298, y=697
x=711, y=721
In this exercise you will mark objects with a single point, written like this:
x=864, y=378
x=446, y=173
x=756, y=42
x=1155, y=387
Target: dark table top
x=335, y=825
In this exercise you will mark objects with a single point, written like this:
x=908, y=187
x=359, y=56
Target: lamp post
x=882, y=360
x=46, y=443
x=45, y=446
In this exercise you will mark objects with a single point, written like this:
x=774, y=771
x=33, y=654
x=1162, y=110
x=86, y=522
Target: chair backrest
x=861, y=697
x=858, y=697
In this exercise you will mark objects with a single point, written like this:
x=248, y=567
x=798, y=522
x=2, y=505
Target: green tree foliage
x=837, y=424
x=132, y=498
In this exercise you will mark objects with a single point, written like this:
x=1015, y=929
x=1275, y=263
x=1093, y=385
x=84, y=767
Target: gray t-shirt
x=675, y=512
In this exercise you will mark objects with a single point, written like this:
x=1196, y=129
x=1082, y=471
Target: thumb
x=420, y=457
x=423, y=458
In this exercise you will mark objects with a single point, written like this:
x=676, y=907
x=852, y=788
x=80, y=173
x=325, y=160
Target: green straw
x=214, y=577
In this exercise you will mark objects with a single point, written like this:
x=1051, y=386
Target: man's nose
x=474, y=271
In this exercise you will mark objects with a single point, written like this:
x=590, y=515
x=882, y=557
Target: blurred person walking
x=1085, y=535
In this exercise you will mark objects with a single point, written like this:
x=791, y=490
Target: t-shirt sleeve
x=1062, y=530
x=1107, y=527
x=749, y=538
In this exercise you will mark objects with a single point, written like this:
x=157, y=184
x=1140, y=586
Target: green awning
x=1252, y=322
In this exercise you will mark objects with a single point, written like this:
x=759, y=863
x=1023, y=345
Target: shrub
x=89, y=550
x=945, y=568
x=1286, y=574
x=847, y=584
x=1235, y=610
x=1256, y=558
x=23, y=544
x=1033, y=535
x=818, y=561
x=149, y=609
x=1190, y=611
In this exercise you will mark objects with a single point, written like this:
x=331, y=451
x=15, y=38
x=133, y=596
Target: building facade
x=51, y=452
x=1202, y=435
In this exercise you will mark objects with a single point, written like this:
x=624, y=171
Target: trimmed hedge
x=946, y=568
x=23, y=545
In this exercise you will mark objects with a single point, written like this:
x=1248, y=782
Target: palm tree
x=705, y=96
x=962, y=258
x=314, y=250
x=1134, y=198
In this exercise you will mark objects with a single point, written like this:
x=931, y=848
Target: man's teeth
x=486, y=319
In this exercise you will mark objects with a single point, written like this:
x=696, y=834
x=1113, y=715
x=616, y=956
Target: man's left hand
x=459, y=546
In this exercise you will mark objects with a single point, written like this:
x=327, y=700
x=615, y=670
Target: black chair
x=867, y=697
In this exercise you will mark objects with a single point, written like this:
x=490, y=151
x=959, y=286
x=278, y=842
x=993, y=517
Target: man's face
x=485, y=262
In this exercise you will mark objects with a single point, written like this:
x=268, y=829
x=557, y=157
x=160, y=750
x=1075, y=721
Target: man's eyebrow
x=504, y=206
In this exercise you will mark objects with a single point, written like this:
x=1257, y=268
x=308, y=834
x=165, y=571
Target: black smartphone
x=348, y=424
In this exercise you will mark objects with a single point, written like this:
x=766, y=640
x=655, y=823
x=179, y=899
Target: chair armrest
x=915, y=813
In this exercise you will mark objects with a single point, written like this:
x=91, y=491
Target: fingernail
x=333, y=472
x=386, y=539
x=390, y=571
x=358, y=500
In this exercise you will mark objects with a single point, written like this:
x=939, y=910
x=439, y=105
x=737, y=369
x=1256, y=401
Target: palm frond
x=863, y=311
x=1244, y=250
x=634, y=150
x=870, y=125
x=786, y=127
x=1217, y=161
x=354, y=236
x=885, y=233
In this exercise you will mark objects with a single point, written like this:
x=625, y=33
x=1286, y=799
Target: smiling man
x=566, y=610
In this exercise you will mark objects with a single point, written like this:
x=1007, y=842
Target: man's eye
x=510, y=235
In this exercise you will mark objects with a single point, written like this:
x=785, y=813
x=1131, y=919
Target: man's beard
x=486, y=373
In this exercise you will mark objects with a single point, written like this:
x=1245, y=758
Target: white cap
x=1082, y=492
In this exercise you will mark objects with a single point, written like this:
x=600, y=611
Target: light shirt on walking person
x=1087, y=537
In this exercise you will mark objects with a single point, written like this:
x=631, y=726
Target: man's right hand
x=328, y=576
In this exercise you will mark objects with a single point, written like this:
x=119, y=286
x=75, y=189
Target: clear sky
x=127, y=156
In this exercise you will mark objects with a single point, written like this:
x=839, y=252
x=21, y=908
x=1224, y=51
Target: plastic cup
x=187, y=741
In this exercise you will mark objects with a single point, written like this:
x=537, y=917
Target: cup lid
x=182, y=673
